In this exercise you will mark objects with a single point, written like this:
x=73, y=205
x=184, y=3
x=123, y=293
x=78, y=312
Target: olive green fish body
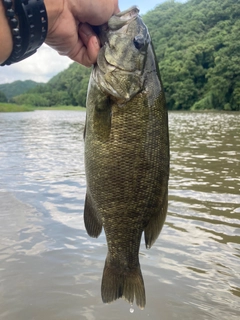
x=126, y=155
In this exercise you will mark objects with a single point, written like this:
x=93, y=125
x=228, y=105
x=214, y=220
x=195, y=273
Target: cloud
x=40, y=67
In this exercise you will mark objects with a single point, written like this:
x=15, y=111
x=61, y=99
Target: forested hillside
x=69, y=87
x=198, y=50
x=3, y=98
x=17, y=87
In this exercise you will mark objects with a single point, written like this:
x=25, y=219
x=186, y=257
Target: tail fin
x=117, y=283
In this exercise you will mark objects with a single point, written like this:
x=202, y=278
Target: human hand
x=69, y=31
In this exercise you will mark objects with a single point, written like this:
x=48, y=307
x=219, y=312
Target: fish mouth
x=116, y=22
x=131, y=11
x=122, y=18
x=121, y=60
x=119, y=25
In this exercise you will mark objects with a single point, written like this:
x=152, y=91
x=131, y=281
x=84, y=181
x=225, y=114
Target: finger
x=89, y=54
x=93, y=48
x=86, y=55
x=91, y=45
x=85, y=33
x=96, y=12
x=90, y=41
x=116, y=7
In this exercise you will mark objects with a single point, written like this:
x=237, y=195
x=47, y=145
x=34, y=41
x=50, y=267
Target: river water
x=50, y=268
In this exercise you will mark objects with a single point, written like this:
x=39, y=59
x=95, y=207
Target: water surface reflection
x=50, y=268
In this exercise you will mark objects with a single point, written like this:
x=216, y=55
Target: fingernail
x=95, y=42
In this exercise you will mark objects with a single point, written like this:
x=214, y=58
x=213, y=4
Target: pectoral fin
x=102, y=118
x=92, y=221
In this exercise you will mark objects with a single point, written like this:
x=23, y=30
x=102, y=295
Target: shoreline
x=8, y=107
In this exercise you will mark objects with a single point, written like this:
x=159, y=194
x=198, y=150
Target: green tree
x=198, y=50
x=3, y=98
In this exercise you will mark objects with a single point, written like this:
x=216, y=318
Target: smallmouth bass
x=126, y=153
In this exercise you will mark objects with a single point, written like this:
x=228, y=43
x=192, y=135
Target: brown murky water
x=49, y=267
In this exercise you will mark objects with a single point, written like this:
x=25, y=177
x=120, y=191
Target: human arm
x=5, y=36
x=68, y=31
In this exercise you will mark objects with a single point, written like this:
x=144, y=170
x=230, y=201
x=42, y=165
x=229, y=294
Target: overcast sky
x=46, y=63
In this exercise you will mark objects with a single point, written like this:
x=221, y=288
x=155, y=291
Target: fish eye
x=139, y=42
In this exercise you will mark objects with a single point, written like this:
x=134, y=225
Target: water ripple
x=50, y=268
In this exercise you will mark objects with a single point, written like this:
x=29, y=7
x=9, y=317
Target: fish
x=126, y=153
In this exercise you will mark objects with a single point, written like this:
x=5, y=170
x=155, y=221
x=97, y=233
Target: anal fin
x=155, y=224
x=92, y=221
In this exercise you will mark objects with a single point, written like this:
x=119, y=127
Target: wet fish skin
x=126, y=153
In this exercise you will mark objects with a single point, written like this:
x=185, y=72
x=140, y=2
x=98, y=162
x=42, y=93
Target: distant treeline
x=69, y=87
x=9, y=90
x=198, y=50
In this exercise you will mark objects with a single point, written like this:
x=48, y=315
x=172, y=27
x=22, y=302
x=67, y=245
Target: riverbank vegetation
x=197, y=46
x=63, y=108
x=12, y=107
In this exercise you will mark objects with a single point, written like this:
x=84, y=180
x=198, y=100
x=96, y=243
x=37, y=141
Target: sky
x=46, y=63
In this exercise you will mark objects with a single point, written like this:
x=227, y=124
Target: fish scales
x=126, y=153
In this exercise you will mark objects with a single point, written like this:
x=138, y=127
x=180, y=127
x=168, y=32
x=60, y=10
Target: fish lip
x=131, y=9
x=122, y=18
x=116, y=22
